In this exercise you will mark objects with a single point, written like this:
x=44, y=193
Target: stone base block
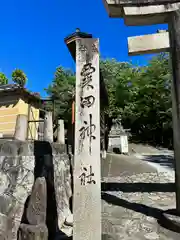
x=33, y=232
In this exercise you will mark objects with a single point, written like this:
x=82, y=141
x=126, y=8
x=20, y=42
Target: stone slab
x=63, y=191
x=139, y=2
x=31, y=232
x=139, y=14
x=148, y=44
x=37, y=206
x=28, y=148
x=148, y=15
x=8, y=227
x=16, y=178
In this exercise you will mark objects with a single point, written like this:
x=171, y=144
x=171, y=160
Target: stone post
x=36, y=214
x=33, y=232
x=60, y=132
x=21, y=128
x=48, y=127
x=174, y=33
x=87, y=184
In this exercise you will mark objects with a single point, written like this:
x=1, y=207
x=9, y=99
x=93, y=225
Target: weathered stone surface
x=36, y=211
x=34, y=148
x=61, y=132
x=16, y=148
x=16, y=181
x=48, y=127
x=63, y=191
x=32, y=232
x=20, y=163
x=8, y=227
x=58, y=148
x=149, y=44
x=43, y=148
x=87, y=187
x=139, y=2
x=148, y=15
x=21, y=127
x=141, y=14
x=51, y=163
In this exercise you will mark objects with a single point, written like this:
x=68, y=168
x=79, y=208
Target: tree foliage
x=141, y=96
x=19, y=77
x=3, y=79
x=62, y=90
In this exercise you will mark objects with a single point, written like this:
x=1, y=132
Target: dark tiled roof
x=9, y=87
x=16, y=88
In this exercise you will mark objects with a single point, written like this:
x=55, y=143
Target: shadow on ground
x=163, y=160
x=137, y=207
x=138, y=187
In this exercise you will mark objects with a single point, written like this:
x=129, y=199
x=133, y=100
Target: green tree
x=116, y=78
x=141, y=96
x=3, y=79
x=150, y=109
x=19, y=77
x=61, y=90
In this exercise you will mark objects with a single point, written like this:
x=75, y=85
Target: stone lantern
x=118, y=138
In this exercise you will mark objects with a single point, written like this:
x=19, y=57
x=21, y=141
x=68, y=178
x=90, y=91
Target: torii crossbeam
x=141, y=12
x=128, y=3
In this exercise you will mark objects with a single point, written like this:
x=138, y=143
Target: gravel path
x=132, y=200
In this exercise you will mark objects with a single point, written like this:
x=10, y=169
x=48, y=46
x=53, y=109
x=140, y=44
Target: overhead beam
x=135, y=13
x=149, y=44
x=148, y=15
x=127, y=3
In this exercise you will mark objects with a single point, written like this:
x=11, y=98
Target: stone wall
x=35, y=190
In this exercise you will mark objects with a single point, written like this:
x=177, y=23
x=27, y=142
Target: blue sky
x=33, y=32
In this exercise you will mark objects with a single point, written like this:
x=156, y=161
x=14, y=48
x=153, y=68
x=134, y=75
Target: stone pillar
x=48, y=127
x=60, y=132
x=36, y=213
x=37, y=206
x=104, y=154
x=21, y=128
x=174, y=31
x=87, y=184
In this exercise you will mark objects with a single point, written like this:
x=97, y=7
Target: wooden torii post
x=148, y=12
